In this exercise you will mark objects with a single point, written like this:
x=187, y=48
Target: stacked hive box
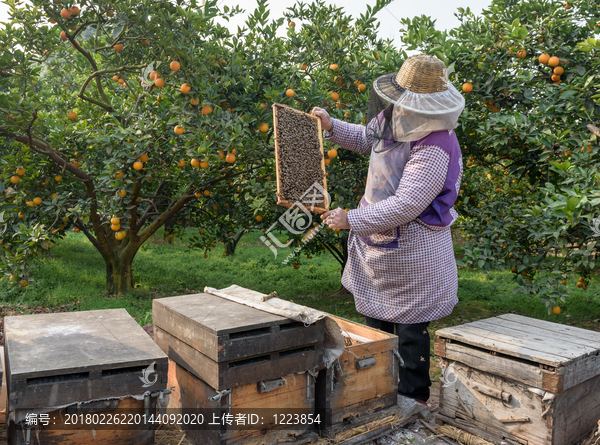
x=362, y=384
x=65, y=364
x=520, y=380
x=219, y=346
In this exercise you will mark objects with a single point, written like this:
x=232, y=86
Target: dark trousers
x=414, y=347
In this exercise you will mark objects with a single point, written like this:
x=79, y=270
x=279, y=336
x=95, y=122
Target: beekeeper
x=401, y=267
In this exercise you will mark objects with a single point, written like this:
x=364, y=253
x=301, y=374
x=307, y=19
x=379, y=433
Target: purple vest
x=438, y=212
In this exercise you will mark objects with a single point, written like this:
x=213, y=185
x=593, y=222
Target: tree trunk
x=232, y=243
x=119, y=275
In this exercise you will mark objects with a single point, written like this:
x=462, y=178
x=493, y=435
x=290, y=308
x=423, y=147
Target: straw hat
x=419, y=74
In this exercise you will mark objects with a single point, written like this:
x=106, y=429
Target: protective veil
x=411, y=117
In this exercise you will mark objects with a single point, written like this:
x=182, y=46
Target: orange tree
x=530, y=193
x=117, y=118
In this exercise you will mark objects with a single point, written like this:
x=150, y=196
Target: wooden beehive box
x=227, y=344
x=284, y=395
x=366, y=380
x=307, y=199
x=521, y=380
x=62, y=359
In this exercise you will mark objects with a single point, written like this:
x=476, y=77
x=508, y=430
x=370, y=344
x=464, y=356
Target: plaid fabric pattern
x=416, y=280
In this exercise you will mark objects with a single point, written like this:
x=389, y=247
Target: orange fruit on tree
x=556, y=310
x=65, y=14
x=195, y=163
x=559, y=70
x=159, y=82
x=74, y=10
x=37, y=200
x=119, y=174
x=144, y=158
x=332, y=153
x=327, y=161
x=206, y=192
x=521, y=54
x=204, y=164
x=15, y=179
x=544, y=58
x=263, y=127
x=195, y=101
x=120, y=235
x=20, y=215
x=174, y=65
x=144, y=42
x=230, y=158
x=467, y=87
x=72, y=115
x=335, y=96
x=206, y=109
x=54, y=195
x=258, y=218
x=333, y=66
x=198, y=195
x=181, y=163
x=178, y=130
x=290, y=93
x=553, y=61
x=292, y=24
x=185, y=88
x=24, y=283
x=115, y=78
x=30, y=204
x=122, y=193
x=154, y=75
x=221, y=154
x=580, y=284
x=52, y=21
x=115, y=227
x=121, y=81
x=115, y=221
x=63, y=35
x=138, y=165
x=20, y=171
x=118, y=47
x=303, y=66
x=362, y=87
x=58, y=178
x=555, y=78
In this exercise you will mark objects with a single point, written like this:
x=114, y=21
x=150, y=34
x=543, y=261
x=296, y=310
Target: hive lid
x=537, y=341
x=44, y=345
x=224, y=330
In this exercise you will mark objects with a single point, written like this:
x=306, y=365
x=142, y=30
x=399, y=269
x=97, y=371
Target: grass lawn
x=74, y=275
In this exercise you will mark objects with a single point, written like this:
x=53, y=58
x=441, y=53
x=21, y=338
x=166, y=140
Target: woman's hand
x=326, y=122
x=336, y=219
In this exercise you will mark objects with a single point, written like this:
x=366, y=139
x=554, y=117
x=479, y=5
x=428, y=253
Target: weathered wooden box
x=227, y=344
x=292, y=393
x=364, y=381
x=64, y=359
x=520, y=380
x=283, y=200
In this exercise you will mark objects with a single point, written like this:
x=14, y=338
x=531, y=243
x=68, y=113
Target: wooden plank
x=100, y=436
x=224, y=330
x=487, y=411
x=503, y=343
x=553, y=329
x=580, y=371
x=557, y=343
x=575, y=412
x=484, y=361
x=225, y=375
x=44, y=345
x=280, y=199
x=58, y=391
